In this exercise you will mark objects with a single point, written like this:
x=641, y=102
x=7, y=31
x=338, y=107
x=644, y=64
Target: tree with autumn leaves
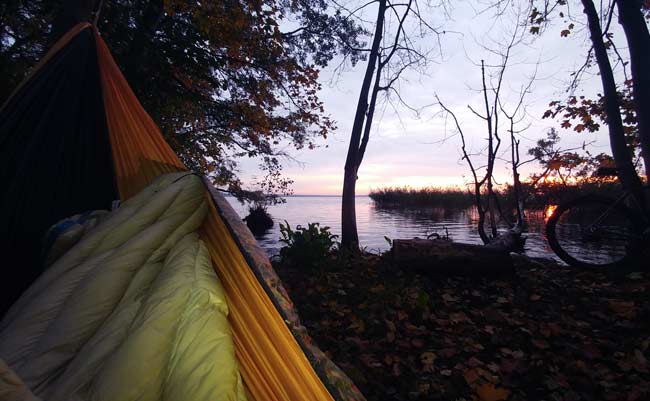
x=628, y=121
x=223, y=80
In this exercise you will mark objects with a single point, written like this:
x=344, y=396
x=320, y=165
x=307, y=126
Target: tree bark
x=446, y=257
x=516, y=181
x=620, y=151
x=72, y=13
x=638, y=40
x=491, y=156
x=349, y=235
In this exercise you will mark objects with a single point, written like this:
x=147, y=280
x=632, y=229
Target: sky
x=423, y=149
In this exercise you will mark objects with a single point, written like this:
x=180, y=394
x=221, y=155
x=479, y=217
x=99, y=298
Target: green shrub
x=306, y=247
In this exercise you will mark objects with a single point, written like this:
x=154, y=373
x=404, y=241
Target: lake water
x=373, y=223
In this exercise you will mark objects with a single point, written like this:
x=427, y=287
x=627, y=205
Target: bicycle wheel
x=591, y=232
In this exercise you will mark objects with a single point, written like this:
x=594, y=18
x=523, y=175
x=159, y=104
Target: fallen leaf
x=624, y=365
x=474, y=362
x=427, y=359
x=471, y=375
x=397, y=371
x=357, y=325
x=413, y=329
x=541, y=344
x=488, y=392
x=624, y=309
x=370, y=361
x=447, y=352
x=581, y=365
x=377, y=289
x=494, y=368
x=458, y=317
x=449, y=298
x=508, y=365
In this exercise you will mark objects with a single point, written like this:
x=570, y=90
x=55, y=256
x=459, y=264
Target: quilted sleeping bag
x=132, y=311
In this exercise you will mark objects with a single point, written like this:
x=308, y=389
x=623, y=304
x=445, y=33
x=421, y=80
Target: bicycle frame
x=638, y=210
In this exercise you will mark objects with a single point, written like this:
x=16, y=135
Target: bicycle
x=593, y=231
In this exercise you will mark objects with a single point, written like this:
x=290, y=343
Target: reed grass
x=429, y=196
x=450, y=198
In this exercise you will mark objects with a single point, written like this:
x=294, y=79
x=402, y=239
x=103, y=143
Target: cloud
x=406, y=149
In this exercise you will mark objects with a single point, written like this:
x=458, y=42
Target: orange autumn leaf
x=624, y=309
x=471, y=375
x=488, y=392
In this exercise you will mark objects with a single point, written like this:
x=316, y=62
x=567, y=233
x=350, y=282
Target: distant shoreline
x=312, y=196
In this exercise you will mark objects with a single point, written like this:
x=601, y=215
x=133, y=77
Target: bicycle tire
x=610, y=244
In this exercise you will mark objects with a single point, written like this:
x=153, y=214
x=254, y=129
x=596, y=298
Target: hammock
x=73, y=137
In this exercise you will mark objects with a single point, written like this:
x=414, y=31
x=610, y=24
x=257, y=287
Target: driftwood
x=442, y=256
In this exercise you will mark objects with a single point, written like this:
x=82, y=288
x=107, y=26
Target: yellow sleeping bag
x=133, y=311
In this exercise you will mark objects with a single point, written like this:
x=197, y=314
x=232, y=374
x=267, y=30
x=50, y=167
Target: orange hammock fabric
x=272, y=363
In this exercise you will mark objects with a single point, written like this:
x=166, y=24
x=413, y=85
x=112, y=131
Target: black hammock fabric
x=55, y=158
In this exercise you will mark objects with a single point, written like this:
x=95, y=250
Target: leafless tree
x=393, y=51
x=487, y=204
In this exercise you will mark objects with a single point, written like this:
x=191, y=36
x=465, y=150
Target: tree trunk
x=72, y=13
x=516, y=181
x=491, y=212
x=349, y=235
x=638, y=40
x=519, y=199
x=491, y=157
x=446, y=257
x=620, y=151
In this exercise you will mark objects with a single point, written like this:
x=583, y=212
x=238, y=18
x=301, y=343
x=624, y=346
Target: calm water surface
x=373, y=223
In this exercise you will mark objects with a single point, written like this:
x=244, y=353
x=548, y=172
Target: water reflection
x=374, y=223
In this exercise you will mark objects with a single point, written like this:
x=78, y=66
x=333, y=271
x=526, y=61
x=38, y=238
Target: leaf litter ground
x=545, y=333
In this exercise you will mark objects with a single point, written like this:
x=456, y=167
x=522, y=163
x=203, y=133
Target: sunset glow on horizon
x=423, y=149
x=333, y=184
x=328, y=185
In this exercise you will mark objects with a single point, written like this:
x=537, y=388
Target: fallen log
x=447, y=257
